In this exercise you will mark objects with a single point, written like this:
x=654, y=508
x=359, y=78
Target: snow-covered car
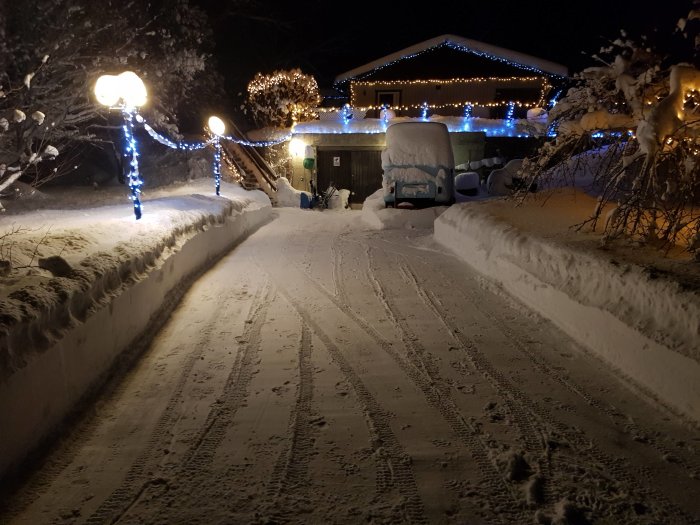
x=418, y=164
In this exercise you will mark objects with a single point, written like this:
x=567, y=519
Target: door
x=366, y=174
x=334, y=167
x=357, y=171
x=391, y=98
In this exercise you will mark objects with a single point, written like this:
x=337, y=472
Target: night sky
x=254, y=36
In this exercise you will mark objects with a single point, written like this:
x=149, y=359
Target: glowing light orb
x=297, y=147
x=132, y=89
x=216, y=126
x=107, y=90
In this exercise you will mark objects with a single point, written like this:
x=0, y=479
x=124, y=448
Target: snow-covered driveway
x=326, y=373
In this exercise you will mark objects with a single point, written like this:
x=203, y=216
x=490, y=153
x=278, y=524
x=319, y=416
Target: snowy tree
x=635, y=119
x=279, y=100
x=282, y=98
x=54, y=50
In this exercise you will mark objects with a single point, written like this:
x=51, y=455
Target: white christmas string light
x=188, y=146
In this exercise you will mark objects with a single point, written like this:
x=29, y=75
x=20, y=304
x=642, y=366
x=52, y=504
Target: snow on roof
x=514, y=58
x=491, y=127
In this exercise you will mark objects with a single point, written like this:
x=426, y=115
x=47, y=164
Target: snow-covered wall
x=647, y=329
x=43, y=388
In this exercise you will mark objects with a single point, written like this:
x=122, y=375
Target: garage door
x=358, y=171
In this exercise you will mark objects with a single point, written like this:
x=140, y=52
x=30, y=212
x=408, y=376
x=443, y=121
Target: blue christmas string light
x=217, y=164
x=424, y=111
x=510, y=113
x=385, y=113
x=135, y=181
x=468, y=108
x=346, y=113
x=458, y=47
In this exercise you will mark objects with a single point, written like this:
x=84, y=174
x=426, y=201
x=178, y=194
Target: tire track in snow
x=533, y=438
x=635, y=429
x=139, y=479
x=290, y=477
x=638, y=431
x=394, y=468
x=619, y=468
x=500, y=492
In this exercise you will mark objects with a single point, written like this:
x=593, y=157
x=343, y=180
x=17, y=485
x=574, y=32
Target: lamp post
x=217, y=128
x=126, y=92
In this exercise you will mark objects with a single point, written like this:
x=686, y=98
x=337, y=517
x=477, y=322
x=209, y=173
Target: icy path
x=322, y=373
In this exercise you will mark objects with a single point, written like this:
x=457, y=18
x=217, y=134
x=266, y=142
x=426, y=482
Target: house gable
x=450, y=74
x=445, y=63
x=525, y=64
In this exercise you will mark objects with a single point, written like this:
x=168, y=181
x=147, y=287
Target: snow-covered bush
x=639, y=117
x=282, y=98
x=279, y=100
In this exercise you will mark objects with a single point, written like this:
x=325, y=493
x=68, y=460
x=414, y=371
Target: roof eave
x=545, y=66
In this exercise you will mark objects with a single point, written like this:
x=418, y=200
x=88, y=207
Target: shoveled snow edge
x=662, y=360
x=38, y=397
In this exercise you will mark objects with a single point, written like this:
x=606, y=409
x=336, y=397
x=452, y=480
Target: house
x=479, y=90
x=448, y=73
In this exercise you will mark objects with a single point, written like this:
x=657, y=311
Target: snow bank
x=287, y=195
x=376, y=216
x=61, y=335
x=649, y=329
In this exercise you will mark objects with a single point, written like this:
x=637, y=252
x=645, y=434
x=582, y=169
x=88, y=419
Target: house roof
x=514, y=58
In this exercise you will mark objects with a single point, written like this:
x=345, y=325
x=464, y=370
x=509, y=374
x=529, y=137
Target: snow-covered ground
x=638, y=310
x=89, y=282
x=325, y=371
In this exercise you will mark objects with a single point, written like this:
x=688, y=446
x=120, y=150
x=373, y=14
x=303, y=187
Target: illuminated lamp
x=127, y=92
